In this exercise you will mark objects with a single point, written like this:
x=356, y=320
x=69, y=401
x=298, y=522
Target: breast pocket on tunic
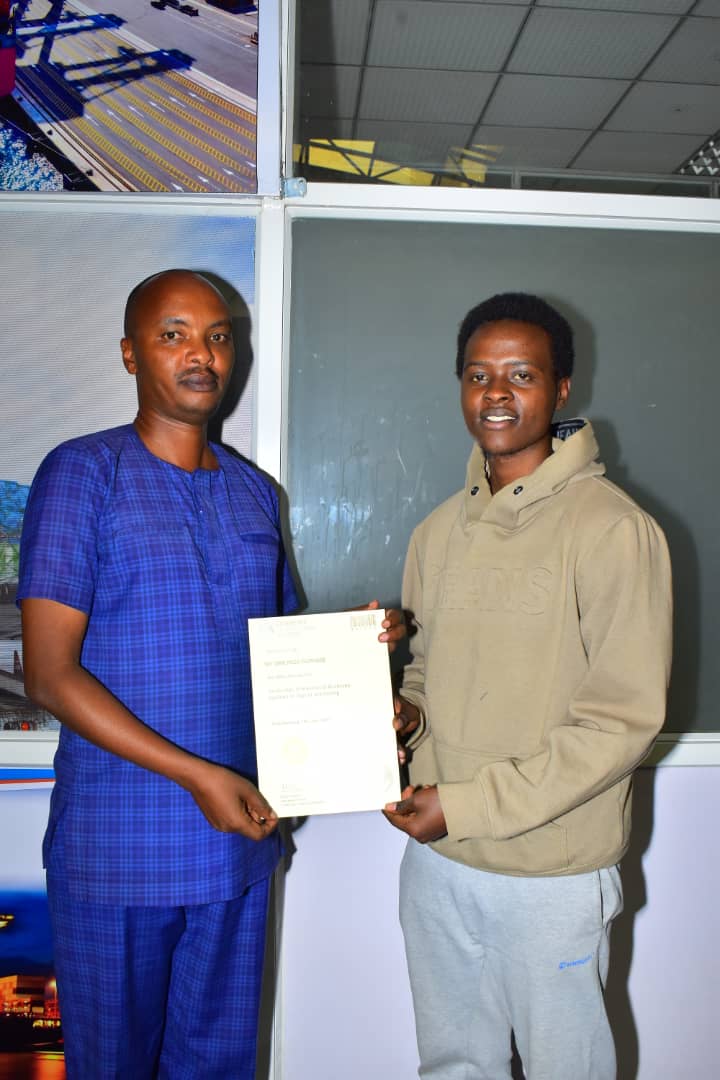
x=258, y=573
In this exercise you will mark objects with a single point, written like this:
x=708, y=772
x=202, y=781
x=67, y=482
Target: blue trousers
x=167, y=993
x=490, y=954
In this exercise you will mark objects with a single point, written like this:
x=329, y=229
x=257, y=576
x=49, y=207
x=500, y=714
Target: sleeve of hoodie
x=413, y=685
x=624, y=598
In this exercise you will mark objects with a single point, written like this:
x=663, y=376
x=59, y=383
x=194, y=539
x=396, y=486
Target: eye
x=477, y=377
x=220, y=338
x=523, y=376
x=171, y=335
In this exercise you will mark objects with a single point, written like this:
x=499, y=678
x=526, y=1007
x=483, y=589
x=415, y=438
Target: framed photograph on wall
x=73, y=263
x=143, y=95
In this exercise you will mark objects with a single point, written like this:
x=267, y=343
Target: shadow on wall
x=241, y=328
x=617, y=998
x=682, y=707
x=683, y=696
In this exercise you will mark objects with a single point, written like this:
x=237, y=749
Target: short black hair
x=521, y=307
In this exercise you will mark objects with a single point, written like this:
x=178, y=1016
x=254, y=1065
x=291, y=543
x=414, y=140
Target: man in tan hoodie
x=542, y=598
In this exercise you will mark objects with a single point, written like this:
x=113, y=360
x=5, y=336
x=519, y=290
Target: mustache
x=198, y=369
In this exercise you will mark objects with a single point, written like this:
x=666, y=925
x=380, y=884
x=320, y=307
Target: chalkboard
x=376, y=439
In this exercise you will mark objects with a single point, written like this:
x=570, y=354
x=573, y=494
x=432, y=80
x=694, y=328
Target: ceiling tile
x=691, y=55
x=333, y=31
x=514, y=3
x=550, y=101
x=459, y=37
x=422, y=145
x=661, y=7
x=544, y=148
x=604, y=44
x=325, y=127
x=668, y=107
x=530, y=147
x=411, y=94
x=328, y=91
x=630, y=152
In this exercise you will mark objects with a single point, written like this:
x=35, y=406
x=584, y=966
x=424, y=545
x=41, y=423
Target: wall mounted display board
x=68, y=275
x=376, y=439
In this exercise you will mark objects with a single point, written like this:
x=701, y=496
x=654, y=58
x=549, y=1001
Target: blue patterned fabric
x=169, y=566
x=152, y=993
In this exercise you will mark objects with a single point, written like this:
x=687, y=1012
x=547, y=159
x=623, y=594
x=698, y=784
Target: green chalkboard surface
x=376, y=439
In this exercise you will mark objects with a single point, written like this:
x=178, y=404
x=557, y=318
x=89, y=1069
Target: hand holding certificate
x=323, y=713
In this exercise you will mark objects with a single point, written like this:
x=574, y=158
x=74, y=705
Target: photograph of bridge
x=17, y=712
x=13, y=497
x=138, y=95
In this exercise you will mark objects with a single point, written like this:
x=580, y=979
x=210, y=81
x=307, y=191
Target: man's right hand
x=230, y=802
x=407, y=720
x=54, y=678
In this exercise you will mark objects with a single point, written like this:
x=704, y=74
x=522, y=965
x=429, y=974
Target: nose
x=201, y=352
x=497, y=389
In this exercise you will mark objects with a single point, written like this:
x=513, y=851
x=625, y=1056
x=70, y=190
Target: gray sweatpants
x=489, y=954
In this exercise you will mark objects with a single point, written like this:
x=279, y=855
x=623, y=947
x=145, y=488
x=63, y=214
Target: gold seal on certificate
x=323, y=707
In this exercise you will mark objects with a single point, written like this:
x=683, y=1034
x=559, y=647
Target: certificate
x=323, y=706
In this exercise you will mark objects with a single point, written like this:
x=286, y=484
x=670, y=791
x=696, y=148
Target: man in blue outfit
x=145, y=550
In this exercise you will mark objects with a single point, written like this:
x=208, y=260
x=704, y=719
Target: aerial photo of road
x=141, y=95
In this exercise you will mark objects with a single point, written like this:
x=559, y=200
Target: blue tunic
x=168, y=566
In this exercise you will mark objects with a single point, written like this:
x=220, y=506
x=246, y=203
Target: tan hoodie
x=540, y=664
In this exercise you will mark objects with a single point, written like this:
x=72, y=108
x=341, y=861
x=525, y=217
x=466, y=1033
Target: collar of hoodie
x=574, y=457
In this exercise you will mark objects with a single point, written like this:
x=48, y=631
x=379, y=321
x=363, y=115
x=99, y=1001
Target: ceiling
x=609, y=86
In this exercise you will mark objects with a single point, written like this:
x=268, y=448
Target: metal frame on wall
x=274, y=217
x=274, y=212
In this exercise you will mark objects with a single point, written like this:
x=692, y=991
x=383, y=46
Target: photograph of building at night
x=17, y=712
x=30, y=1026
x=30, y=1030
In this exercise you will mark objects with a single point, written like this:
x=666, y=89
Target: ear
x=563, y=392
x=128, y=355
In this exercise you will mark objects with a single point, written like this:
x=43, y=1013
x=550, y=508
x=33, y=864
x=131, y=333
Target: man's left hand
x=393, y=625
x=419, y=814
